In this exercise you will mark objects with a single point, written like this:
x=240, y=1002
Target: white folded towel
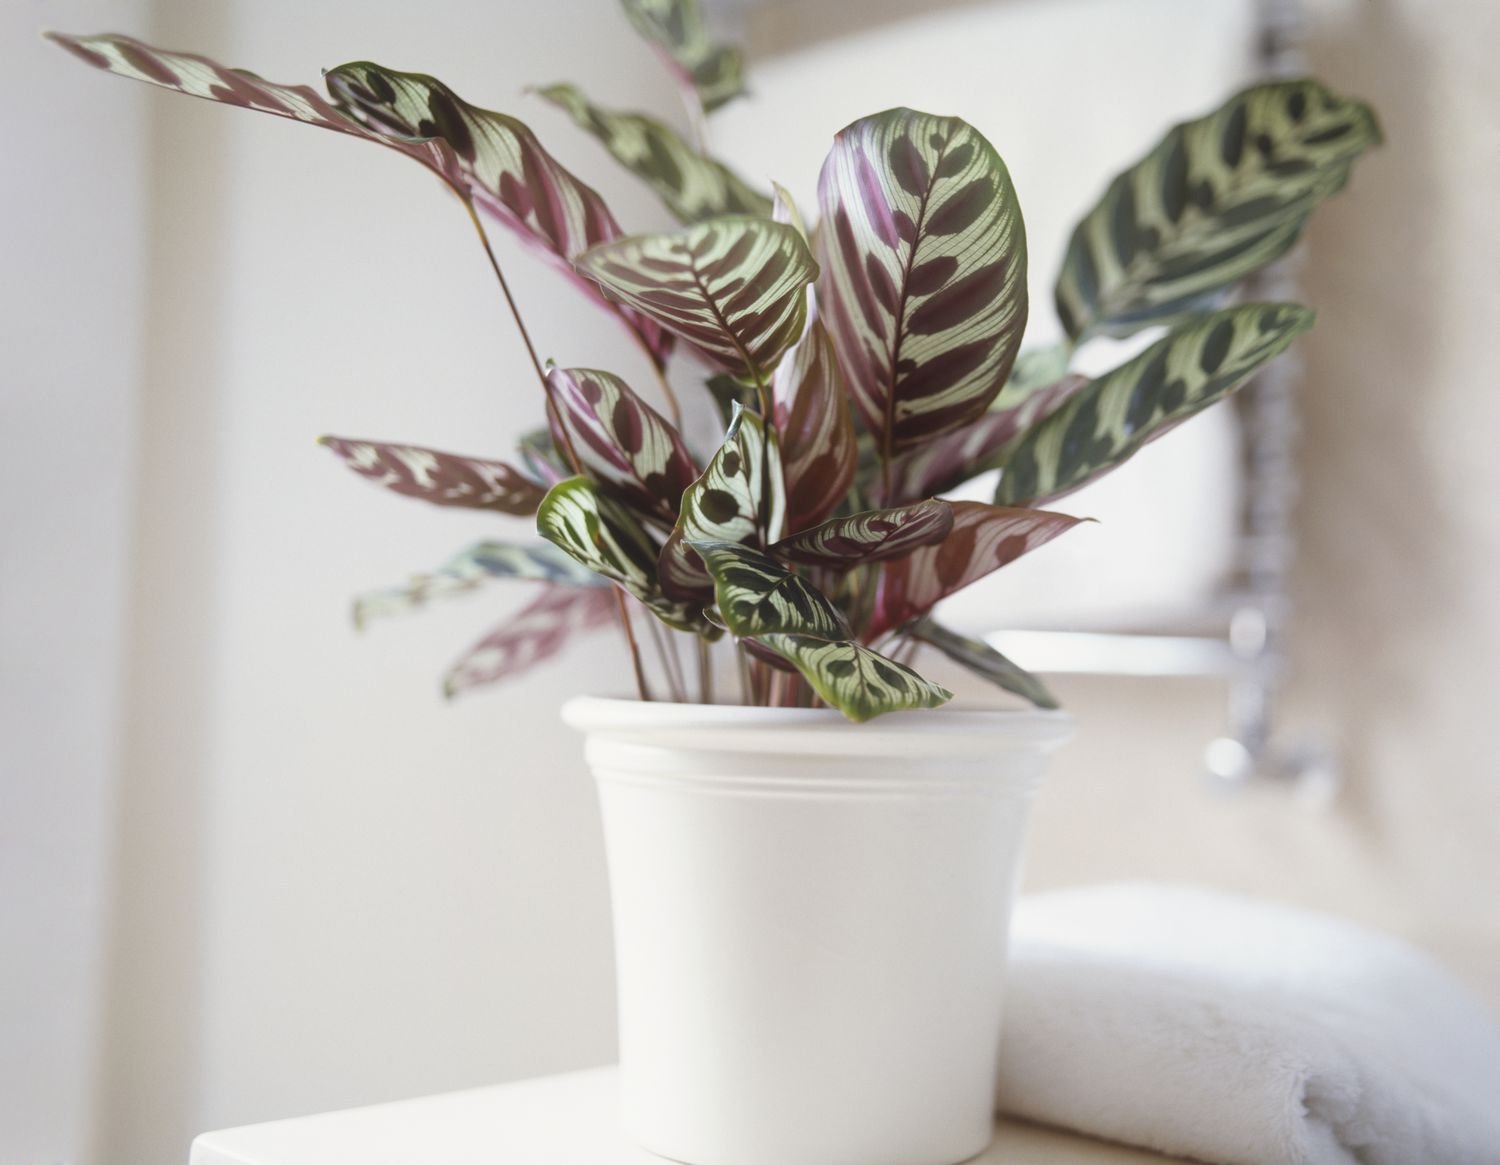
x=1239, y=1032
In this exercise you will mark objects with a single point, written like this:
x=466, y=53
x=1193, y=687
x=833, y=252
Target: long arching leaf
x=812, y=418
x=714, y=73
x=471, y=569
x=732, y=288
x=487, y=157
x=538, y=632
x=1107, y=421
x=444, y=479
x=1216, y=200
x=621, y=442
x=873, y=536
x=924, y=283
x=604, y=536
x=984, y=661
x=739, y=498
x=859, y=682
x=983, y=539
x=694, y=187
x=757, y=595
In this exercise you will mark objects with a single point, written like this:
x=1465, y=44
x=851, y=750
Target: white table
x=557, y=1120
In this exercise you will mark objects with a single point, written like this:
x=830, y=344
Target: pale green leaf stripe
x=739, y=498
x=693, y=187
x=984, y=661
x=714, y=72
x=859, y=682
x=471, y=569
x=733, y=287
x=1106, y=422
x=1216, y=200
x=758, y=596
x=602, y=534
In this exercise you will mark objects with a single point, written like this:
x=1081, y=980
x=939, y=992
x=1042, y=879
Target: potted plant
x=811, y=912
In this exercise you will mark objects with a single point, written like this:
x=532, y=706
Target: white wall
x=72, y=206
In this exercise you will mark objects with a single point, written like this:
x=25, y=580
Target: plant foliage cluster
x=865, y=362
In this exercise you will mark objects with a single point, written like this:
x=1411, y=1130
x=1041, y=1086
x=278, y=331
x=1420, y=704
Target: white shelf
x=557, y=1120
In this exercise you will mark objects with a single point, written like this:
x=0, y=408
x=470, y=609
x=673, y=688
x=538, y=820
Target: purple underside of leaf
x=983, y=539
x=538, y=632
x=486, y=157
x=818, y=445
x=443, y=479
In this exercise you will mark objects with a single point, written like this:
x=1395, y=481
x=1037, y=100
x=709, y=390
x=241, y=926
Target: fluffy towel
x=1243, y=1033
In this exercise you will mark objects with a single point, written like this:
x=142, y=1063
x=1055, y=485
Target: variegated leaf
x=873, y=536
x=983, y=539
x=693, y=186
x=984, y=661
x=1108, y=420
x=486, y=157
x=621, y=442
x=540, y=456
x=470, y=570
x=445, y=479
x=729, y=395
x=1035, y=368
x=604, y=536
x=812, y=419
x=784, y=209
x=1216, y=200
x=739, y=498
x=714, y=73
x=924, y=280
x=757, y=595
x=538, y=632
x=733, y=288
x=950, y=460
x=859, y=682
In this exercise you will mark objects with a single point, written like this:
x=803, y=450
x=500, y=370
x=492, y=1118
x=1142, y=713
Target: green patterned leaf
x=812, y=418
x=538, y=632
x=541, y=458
x=604, y=536
x=924, y=281
x=873, y=536
x=757, y=595
x=470, y=570
x=444, y=479
x=739, y=498
x=732, y=288
x=715, y=73
x=486, y=157
x=693, y=186
x=1108, y=420
x=859, y=682
x=983, y=660
x=621, y=442
x=1216, y=200
x=983, y=539
x=947, y=461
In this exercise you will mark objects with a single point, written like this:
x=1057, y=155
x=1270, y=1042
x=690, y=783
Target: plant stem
x=510, y=300
x=705, y=672
x=641, y=687
x=742, y=665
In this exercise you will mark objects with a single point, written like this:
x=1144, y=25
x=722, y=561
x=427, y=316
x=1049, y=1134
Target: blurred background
x=252, y=865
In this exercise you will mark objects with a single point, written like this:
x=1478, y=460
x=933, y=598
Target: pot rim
x=749, y=728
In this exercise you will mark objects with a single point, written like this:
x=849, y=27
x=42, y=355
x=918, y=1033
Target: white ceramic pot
x=810, y=924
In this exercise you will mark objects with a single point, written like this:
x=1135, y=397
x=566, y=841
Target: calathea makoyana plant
x=864, y=364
